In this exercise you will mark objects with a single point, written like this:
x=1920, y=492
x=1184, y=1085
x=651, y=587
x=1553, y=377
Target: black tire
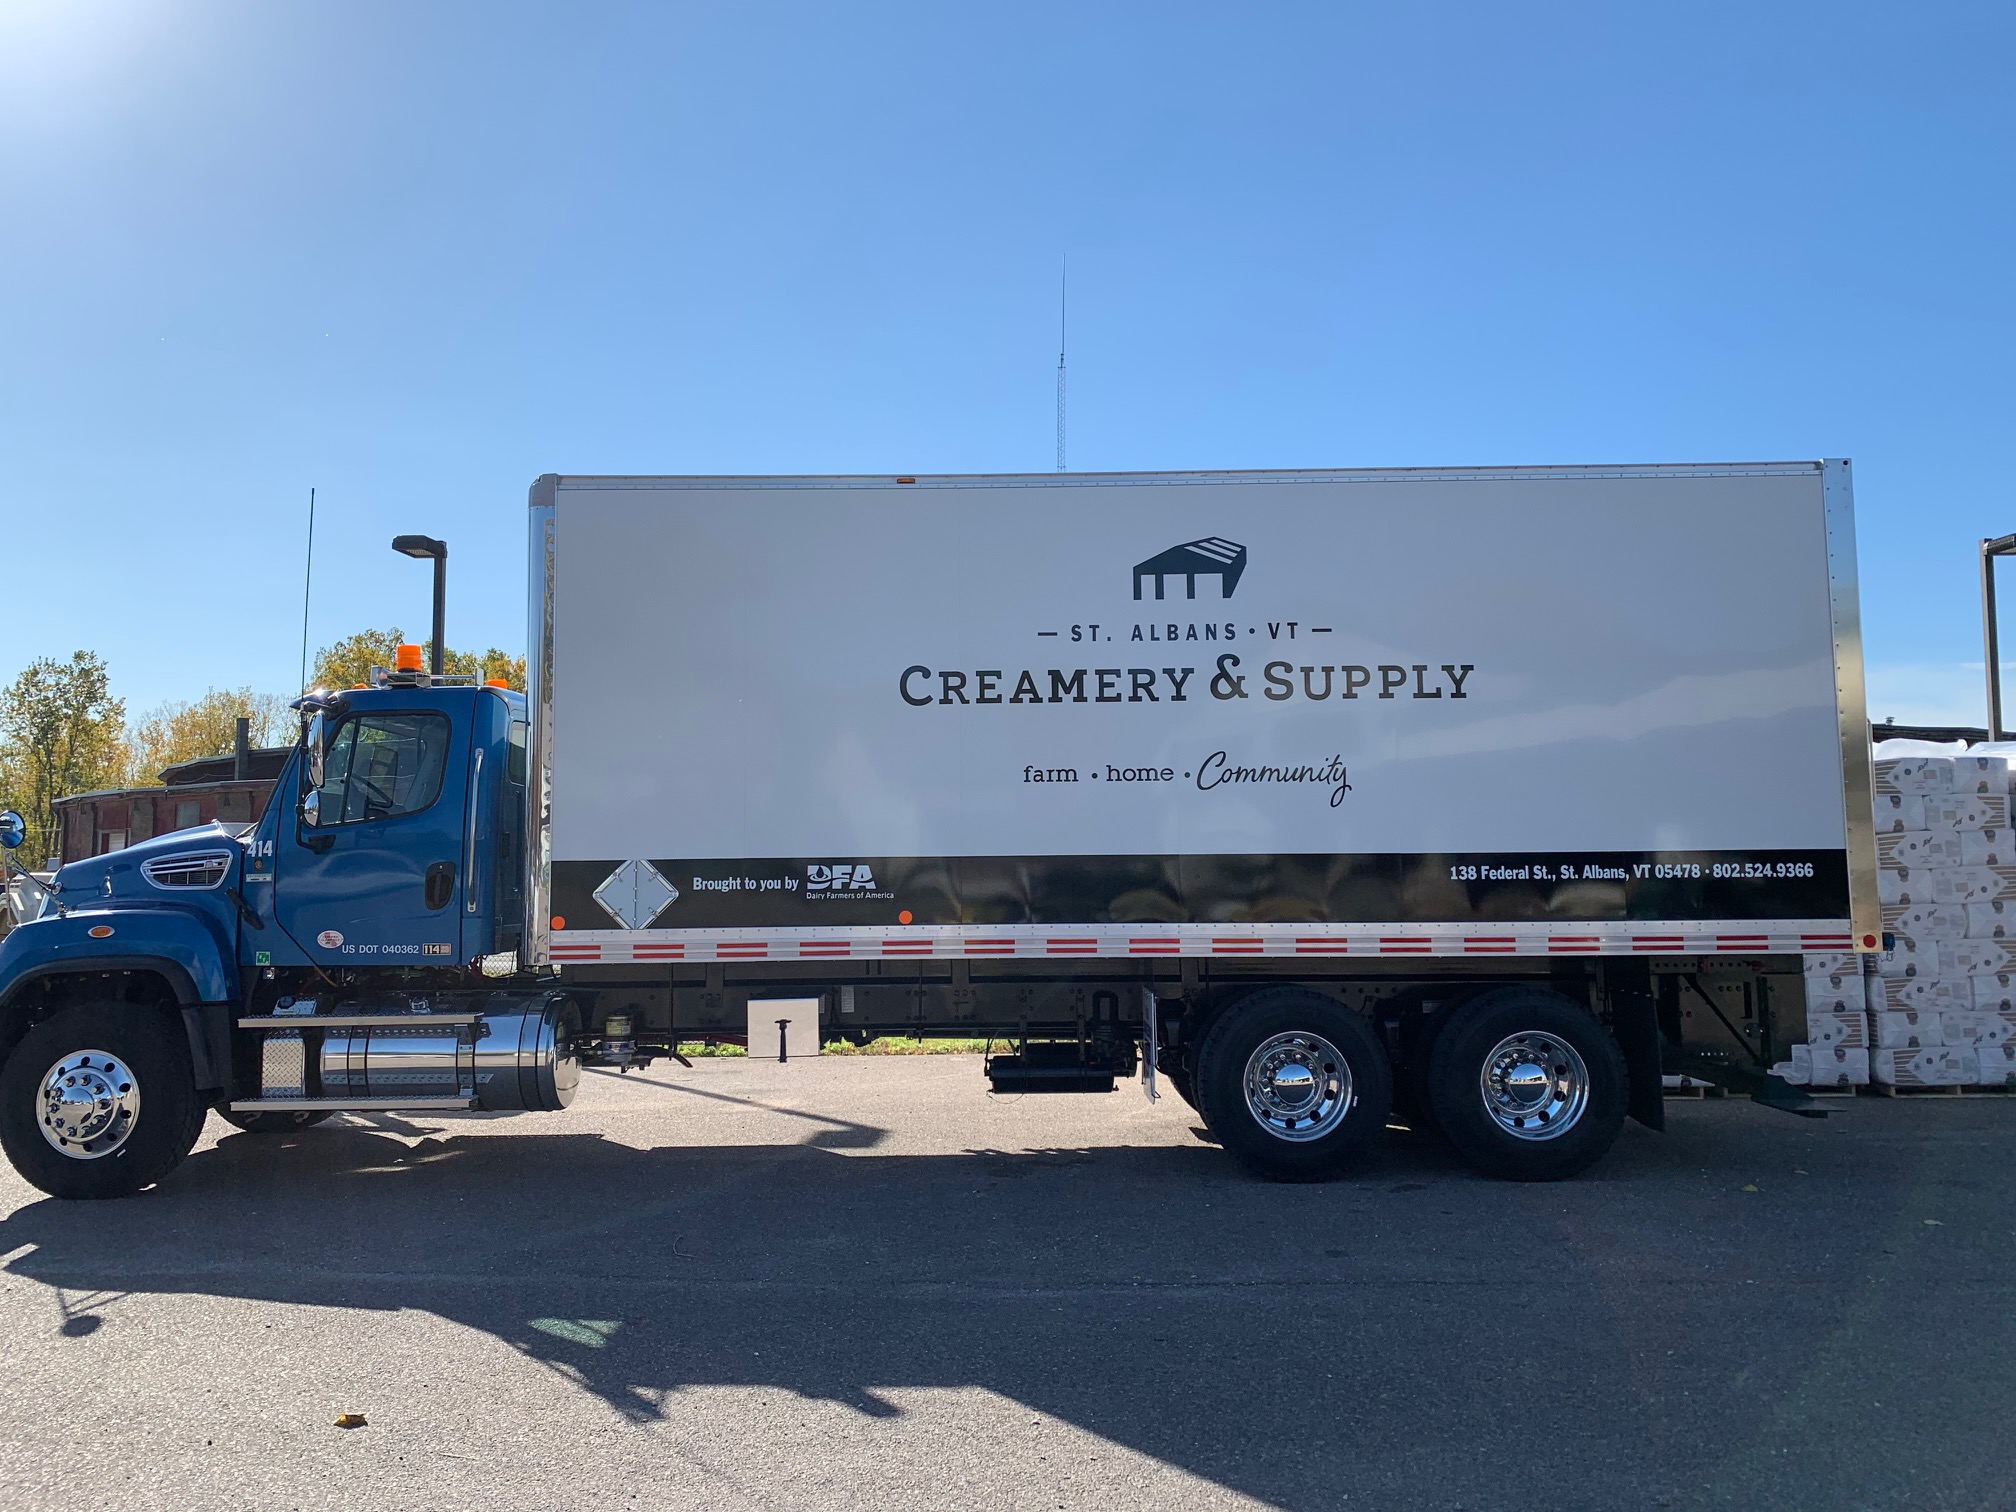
x=272, y=1123
x=1478, y=1035
x=149, y=1045
x=1360, y=1078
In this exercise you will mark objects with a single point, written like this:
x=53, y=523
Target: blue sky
x=416, y=254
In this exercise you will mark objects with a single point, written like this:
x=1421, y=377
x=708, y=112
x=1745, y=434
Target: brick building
x=231, y=789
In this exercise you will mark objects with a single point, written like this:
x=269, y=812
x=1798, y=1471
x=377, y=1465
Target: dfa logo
x=840, y=877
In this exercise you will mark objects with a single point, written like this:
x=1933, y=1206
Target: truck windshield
x=383, y=765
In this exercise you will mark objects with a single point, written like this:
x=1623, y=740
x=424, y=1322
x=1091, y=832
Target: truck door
x=371, y=872
x=490, y=909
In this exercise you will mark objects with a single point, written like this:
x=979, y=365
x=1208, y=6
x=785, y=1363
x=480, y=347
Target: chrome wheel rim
x=88, y=1104
x=1534, y=1085
x=1298, y=1086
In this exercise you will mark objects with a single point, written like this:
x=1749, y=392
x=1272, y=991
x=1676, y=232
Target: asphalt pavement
x=866, y=1283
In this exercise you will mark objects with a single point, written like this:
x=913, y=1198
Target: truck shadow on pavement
x=1417, y=1325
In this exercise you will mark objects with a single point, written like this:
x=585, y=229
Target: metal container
x=518, y=1056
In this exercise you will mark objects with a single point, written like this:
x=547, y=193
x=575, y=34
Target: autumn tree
x=348, y=663
x=61, y=732
x=208, y=727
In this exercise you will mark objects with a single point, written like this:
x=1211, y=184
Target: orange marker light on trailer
x=406, y=659
x=559, y=922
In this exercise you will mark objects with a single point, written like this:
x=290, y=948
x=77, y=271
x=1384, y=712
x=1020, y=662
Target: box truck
x=1492, y=795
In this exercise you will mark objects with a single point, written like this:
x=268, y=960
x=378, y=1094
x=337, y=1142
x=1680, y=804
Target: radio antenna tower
x=1063, y=288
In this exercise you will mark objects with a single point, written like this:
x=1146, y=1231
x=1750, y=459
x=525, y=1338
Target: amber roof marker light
x=425, y=548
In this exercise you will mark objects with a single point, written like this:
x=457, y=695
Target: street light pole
x=424, y=547
x=1991, y=641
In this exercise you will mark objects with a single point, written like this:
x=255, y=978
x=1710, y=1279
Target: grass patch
x=898, y=1044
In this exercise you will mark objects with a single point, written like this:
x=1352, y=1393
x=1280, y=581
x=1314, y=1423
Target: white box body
x=848, y=683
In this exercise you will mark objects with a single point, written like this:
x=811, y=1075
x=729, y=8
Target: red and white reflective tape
x=1121, y=941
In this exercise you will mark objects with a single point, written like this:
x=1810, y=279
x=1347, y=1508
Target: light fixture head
x=420, y=546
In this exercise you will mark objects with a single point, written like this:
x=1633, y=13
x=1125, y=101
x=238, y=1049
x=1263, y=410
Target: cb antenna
x=307, y=582
x=1063, y=289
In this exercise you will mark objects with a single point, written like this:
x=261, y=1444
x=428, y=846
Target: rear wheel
x=272, y=1123
x=1293, y=1084
x=1528, y=1085
x=99, y=1100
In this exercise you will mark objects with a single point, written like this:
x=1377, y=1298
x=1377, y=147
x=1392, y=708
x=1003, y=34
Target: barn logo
x=1213, y=556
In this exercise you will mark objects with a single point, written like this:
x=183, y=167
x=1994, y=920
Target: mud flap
x=208, y=1026
x=1634, y=1020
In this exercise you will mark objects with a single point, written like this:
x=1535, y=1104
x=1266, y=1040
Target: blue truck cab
x=379, y=894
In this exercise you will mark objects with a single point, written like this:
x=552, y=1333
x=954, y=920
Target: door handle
x=440, y=884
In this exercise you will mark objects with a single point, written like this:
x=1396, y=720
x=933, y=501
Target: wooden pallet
x=1885, y=1089
x=1692, y=1088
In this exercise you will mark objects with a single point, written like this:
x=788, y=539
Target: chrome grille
x=206, y=870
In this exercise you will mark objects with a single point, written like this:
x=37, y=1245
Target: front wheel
x=1293, y=1084
x=1528, y=1085
x=99, y=1100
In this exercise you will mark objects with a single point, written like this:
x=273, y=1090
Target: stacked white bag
x=1942, y=1011
x=1836, y=1052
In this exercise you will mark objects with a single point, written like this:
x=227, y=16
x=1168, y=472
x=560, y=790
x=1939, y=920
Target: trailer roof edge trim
x=545, y=487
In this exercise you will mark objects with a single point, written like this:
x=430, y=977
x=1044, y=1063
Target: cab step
x=362, y=1021
x=353, y=1104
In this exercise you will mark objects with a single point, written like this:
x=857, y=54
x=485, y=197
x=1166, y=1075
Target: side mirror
x=13, y=829
x=311, y=808
x=316, y=738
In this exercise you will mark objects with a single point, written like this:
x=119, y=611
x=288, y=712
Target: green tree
x=348, y=663
x=61, y=732
x=208, y=727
